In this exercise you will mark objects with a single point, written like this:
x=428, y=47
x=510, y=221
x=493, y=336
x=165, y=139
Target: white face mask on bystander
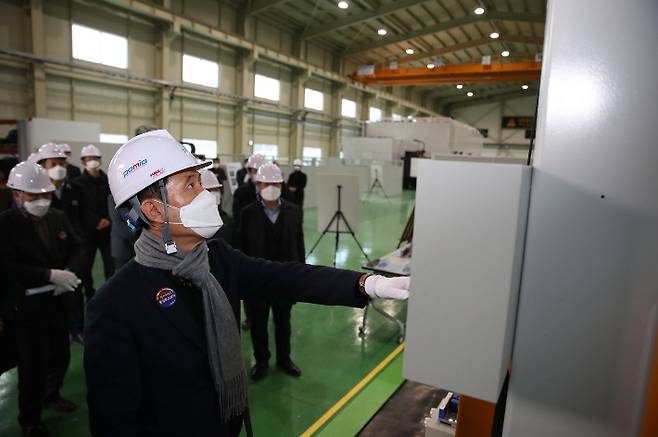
x=270, y=193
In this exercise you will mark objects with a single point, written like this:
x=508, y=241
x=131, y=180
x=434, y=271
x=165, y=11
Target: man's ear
x=153, y=212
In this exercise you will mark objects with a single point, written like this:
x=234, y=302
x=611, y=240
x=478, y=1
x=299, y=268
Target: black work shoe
x=258, y=371
x=60, y=405
x=39, y=430
x=290, y=368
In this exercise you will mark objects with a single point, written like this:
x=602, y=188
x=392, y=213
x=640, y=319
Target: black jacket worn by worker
x=297, y=179
x=122, y=239
x=147, y=365
x=68, y=199
x=243, y=196
x=240, y=175
x=72, y=171
x=30, y=248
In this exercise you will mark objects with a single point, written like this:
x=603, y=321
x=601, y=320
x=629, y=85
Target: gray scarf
x=224, y=347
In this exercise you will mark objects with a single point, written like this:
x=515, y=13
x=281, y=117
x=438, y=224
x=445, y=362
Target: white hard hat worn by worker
x=149, y=159
x=90, y=156
x=27, y=177
x=255, y=161
x=65, y=148
x=210, y=182
x=268, y=181
x=297, y=163
x=57, y=170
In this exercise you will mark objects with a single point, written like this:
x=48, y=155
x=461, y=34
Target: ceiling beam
x=447, y=107
x=358, y=18
x=440, y=27
x=259, y=6
x=469, y=44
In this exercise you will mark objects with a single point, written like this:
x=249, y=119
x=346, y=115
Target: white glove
x=64, y=281
x=380, y=287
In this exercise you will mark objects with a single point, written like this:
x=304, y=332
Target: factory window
x=100, y=47
x=113, y=138
x=348, y=108
x=375, y=114
x=311, y=153
x=313, y=99
x=270, y=151
x=208, y=148
x=397, y=117
x=200, y=71
x=266, y=87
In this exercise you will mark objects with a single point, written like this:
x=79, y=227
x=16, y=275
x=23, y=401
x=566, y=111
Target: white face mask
x=270, y=193
x=93, y=164
x=218, y=196
x=297, y=167
x=57, y=173
x=37, y=208
x=201, y=215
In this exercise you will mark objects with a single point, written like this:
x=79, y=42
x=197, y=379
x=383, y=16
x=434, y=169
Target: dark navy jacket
x=147, y=366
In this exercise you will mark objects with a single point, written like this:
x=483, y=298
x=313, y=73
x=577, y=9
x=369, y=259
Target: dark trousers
x=259, y=313
x=43, y=354
x=90, y=255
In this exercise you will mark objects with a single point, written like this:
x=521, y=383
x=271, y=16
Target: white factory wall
x=120, y=106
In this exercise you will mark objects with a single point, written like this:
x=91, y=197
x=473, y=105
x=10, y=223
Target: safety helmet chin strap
x=170, y=246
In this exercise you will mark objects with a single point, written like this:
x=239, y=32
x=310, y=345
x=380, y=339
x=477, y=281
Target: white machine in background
x=37, y=131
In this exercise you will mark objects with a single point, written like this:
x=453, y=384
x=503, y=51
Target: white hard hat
x=297, y=162
x=269, y=173
x=30, y=177
x=90, y=151
x=65, y=147
x=51, y=150
x=256, y=160
x=209, y=180
x=33, y=158
x=146, y=159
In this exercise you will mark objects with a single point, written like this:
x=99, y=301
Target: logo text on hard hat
x=158, y=172
x=135, y=166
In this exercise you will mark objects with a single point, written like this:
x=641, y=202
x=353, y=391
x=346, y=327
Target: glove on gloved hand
x=380, y=287
x=64, y=281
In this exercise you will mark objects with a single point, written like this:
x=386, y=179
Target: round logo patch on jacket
x=62, y=235
x=165, y=297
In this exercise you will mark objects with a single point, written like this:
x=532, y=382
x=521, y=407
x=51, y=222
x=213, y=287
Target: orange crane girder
x=470, y=73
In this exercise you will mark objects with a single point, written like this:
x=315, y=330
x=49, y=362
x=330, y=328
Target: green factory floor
x=325, y=344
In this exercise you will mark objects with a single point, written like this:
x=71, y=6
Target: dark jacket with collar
x=94, y=194
x=255, y=231
x=147, y=366
x=243, y=196
x=26, y=256
x=72, y=171
x=71, y=204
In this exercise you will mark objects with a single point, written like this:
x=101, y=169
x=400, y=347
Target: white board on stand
x=327, y=195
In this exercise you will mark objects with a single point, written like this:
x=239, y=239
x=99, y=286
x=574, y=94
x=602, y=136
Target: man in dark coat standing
x=162, y=348
x=72, y=170
x=271, y=228
x=246, y=193
x=296, y=184
x=43, y=254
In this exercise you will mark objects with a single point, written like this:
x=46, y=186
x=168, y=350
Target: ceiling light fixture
x=343, y=5
x=479, y=11
x=409, y=51
x=505, y=53
x=525, y=87
x=469, y=94
x=494, y=35
x=382, y=32
x=460, y=86
x=430, y=66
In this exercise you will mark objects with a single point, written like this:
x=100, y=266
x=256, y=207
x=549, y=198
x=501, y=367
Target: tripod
x=336, y=218
x=377, y=184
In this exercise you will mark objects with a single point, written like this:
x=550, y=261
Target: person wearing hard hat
x=163, y=355
x=43, y=254
x=72, y=170
x=95, y=189
x=241, y=175
x=246, y=193
x=271, y=228
x=210, y=182
x=296, y=184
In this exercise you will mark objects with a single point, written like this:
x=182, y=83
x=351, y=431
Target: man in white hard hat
x=72, y=170
x=210, y=182
x=95, y=189
x=296, y=184
x=42, y=253
x=162, y=349
x=271, y=228
x=246, y=193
